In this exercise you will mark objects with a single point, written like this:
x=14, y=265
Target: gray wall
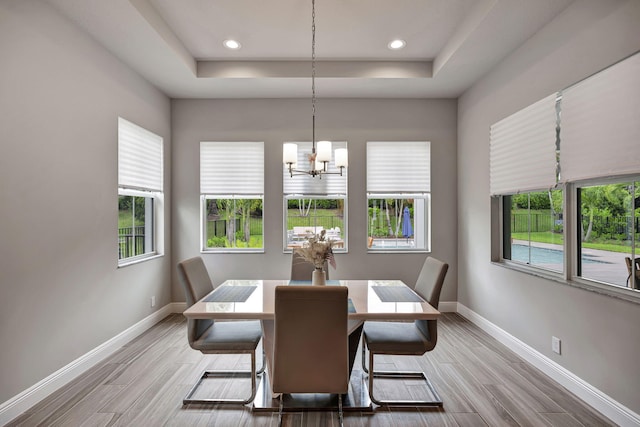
x=275, y=121
x=61, y=293
x=600, y=334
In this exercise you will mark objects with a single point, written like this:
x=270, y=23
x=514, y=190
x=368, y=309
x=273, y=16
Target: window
x=232, y=194
x=533, y=229
x=140, y=196
x=581, y=143
x=609, y=231
x=313, y=205
x=398, y=196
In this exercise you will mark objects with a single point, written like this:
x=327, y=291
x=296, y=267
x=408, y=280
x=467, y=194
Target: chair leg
x=340, y=413
x=437, y=401
x=281, y=406
x=364, y=358
x=264, y=364
x=221, y=374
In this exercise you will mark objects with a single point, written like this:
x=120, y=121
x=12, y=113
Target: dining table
x=380, y=300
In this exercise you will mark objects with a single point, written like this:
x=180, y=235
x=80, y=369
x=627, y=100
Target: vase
x=318, y=277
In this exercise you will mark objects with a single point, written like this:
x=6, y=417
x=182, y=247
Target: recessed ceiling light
x=397, y=44
x=231, y=44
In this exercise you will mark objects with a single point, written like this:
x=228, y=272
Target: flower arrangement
x=317, y=249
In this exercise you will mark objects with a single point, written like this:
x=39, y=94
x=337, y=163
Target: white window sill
x=614, y=291
x=137, y=260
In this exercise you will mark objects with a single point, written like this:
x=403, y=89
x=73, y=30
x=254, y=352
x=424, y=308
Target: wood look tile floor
x=481, y=382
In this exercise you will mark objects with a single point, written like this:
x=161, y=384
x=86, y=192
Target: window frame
x=150, y=226
x=345, y=216
x=203, y=224
x=570, y=276
x=506, y=238
x=426, y=225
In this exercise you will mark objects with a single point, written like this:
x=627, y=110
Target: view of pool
x=541, y=255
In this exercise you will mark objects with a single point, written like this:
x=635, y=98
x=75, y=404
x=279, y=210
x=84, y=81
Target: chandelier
x=319, y=158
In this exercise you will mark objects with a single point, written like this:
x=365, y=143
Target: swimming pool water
x=541, y=255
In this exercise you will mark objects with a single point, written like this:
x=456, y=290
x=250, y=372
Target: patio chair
x=630, y=268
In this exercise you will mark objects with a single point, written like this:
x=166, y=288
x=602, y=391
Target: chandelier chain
x=313, y=74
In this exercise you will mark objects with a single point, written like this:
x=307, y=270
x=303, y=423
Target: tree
x=230, y=219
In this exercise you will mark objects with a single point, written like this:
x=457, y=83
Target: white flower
x=317, y=250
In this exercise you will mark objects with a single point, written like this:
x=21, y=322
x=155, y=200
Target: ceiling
x=177, y=45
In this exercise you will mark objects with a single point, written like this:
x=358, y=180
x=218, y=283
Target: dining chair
x=631, y=266
x=311, y=342
x=302, y=269
x=210, y=337
x=402, y=338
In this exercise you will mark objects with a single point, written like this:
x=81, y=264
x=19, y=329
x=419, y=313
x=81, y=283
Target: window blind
x=398, y=166
x=304, y=184
x=522, y=150
x=600, y=126
x=140, y=162
x=232, y=168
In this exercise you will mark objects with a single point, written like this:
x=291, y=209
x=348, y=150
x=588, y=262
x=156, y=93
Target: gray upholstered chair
x=311, y=342
x=302, y=269
x=210, y=337
x=401, y=338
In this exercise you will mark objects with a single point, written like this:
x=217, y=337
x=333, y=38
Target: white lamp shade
x=323, y=151
x=289, y=153
x=342, y=158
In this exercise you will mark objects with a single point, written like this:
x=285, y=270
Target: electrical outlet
x=153, y=301
x=555, y=344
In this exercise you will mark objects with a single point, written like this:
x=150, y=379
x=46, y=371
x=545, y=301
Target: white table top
x=365, y=301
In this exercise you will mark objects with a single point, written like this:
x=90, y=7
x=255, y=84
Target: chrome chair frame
x=197, y=283
x=429, y=285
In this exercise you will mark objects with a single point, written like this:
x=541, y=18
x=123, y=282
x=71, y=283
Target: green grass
x=124, y=219
x=540, y=237
x=327, y=218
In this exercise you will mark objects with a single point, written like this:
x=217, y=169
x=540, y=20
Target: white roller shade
x=232, y=168
x=398, y=166
x=600, y=126
x=305, y=184
x=140, y=162
x=522, y=150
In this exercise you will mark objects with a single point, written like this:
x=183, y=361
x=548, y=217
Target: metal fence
x=520, y=222
x=131, y=241
x=218, y=227
x=613, y=227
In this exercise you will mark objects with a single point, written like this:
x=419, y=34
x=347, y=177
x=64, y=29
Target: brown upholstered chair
x=401, y=338
x=302, y=269
x=311, y=342
x=635, y=284
x=210, y=337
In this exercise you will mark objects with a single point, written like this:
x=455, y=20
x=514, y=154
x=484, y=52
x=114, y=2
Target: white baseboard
x=601, y=402
x=178, y=307
x=15, y=406
x=448, y=307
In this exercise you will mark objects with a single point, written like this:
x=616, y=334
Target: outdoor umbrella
x=407, y=228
